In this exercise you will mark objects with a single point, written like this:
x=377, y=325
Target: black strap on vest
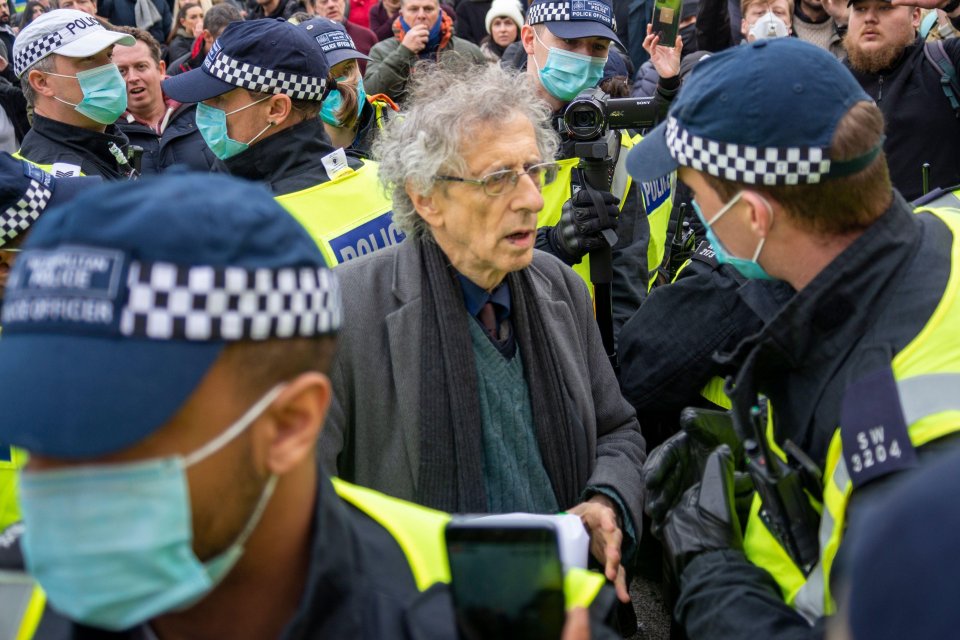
x=936, y=54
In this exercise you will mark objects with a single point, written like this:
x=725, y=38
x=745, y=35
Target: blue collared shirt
x=475, y=297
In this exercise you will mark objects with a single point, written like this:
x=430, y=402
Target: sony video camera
x=592, y=113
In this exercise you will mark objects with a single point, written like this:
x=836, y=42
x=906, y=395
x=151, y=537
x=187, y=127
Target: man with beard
x=888, y=61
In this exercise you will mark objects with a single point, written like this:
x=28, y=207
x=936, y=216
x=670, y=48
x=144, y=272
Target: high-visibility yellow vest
x=419, y=532
x=58, y=169
x=656, y=197
x=927, y=374
x=22, y=604
x=348, y=216
x=11, y=459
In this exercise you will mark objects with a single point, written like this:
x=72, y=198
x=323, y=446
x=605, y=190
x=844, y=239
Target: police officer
x=193, y=503
x=567, y=43
x=63, y=61
x=350, y=117
x=860, y=366
x=260, y=90
x=25, y=193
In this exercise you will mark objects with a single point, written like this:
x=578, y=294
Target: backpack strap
x=937, y=55
x=927, y=24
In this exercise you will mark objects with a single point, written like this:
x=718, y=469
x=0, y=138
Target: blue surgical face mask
x=566, y=74
x=104, y=93
x=331, y=104
x=212, y=124
x=747, y=268
x=112, y=545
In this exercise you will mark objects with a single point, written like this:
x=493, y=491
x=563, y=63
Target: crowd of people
x=287, y=287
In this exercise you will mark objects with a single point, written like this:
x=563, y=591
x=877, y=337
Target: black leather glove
x=671, y=469
x=677, y=464
x=705, y=518
x=585, y=225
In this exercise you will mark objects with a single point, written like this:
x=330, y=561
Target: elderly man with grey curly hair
x=472, y=377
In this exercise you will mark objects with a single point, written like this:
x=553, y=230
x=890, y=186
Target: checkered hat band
x=745, y=164
x=250, y=76
x=18, y=218
x=35, y=51
x=548, y=12
x=171, y=302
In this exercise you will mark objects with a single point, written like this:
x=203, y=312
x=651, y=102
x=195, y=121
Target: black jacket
x=289, y=161
x=192, y=59
x=921, y=124
x=667, y=347
x=121, y=13
x=50, y=141
x=284, y=10
x=179, y=144
x=859, y=312
x=15, y=106
x=471, y=21
x=178, y=47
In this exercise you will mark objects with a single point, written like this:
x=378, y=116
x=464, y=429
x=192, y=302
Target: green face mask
x=212, y=124
x=104, y=93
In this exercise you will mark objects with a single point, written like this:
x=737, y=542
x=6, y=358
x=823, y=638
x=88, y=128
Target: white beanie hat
x=505, y=9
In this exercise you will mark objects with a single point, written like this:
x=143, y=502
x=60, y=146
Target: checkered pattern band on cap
x=18, y=218
x=35, y=51
x=171, y=302
x=548, y=12
x=746, y=164
x=250, y=76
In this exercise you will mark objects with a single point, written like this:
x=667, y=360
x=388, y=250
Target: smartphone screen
x=666, y=21
x=507, y=582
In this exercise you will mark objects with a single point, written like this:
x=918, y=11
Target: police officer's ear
x=279, y=109
x=527, y=37
x=761, y=212
x=293, y=422
x=40, y=83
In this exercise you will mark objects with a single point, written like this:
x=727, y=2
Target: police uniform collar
x=288, y=161
x=851, y=283
x=331, y=600
x=88, y=145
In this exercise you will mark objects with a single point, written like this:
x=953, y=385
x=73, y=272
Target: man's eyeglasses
x=500, y=182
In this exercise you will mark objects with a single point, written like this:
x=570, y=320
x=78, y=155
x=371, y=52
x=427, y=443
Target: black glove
x=585, y=225
x=677, y=464
x=671, y=469
x=705, y=519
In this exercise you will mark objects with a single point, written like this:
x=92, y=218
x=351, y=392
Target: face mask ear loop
x=235, y=429
x=254, y=519
x=756, y=254
x=254, y=138
x=247, y=106
x=725, y=208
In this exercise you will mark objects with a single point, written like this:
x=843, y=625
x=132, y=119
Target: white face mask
x=769, y=26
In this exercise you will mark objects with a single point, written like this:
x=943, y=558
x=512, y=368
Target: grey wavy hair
x=446, y=107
